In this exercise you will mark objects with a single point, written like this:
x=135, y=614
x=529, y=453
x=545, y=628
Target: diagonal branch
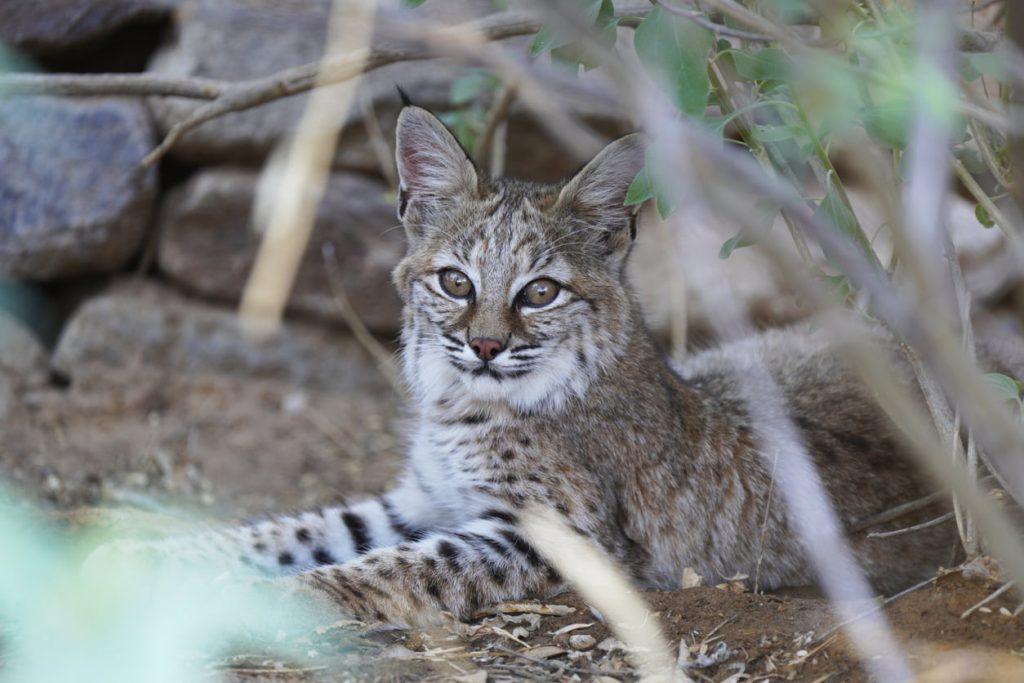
x=302, y=78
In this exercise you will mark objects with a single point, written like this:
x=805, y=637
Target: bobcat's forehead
x=502, y=237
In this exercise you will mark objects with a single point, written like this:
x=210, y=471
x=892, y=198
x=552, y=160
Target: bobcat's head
x=514, y=292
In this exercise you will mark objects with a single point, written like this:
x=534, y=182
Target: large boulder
x=207, y=244
x=237, y=40
x=43, y=28
x=142, y=325
x=73, y=198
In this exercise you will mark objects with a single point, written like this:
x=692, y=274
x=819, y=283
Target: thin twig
x=900, y=511
x=911, y=529
x=984, y=601
x=485, y=153
x=359, y=330
x=764, y=525
x=701, y=19
x=978, y=6
x=379, y=143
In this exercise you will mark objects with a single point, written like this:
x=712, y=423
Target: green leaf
x=543, y=41
x=770, y=63
x=597, y=13
x=833, y=211
x=766, y=210
x=982, y=215
x=887, y=123
x=664, y=205
x=974, y=65
x=971, y=158
x=733, y=243
x=467, y=88
x=1006, y=387
x=839, y=287
x=675, y=51
x=788, y=11
x=641, y=189
x=412, y=4
x=776, y=133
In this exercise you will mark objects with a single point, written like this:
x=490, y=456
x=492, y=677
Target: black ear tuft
x=404, y=96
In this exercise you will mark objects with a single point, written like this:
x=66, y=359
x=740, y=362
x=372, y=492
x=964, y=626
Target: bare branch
x=900, y=511
x=385, y=363
x=701, y=19
x=299, y=79
x=88, y=85
x=495, y=118
x=942, y=519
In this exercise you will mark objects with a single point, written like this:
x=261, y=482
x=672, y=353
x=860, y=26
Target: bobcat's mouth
x=487, y=369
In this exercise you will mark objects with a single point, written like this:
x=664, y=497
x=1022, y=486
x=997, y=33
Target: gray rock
x=46, y=27
x=22, y=356
x=136, y=324
x=73, y=198
x=243, y=39
x=207, y=244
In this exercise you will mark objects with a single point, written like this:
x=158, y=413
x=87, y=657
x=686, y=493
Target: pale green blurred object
x=135, y=623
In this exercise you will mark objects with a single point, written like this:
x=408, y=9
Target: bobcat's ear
x=431, y=164
x=597, y=194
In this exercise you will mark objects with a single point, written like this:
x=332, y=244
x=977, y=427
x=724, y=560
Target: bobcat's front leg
x=484, y=562
x=287, y=545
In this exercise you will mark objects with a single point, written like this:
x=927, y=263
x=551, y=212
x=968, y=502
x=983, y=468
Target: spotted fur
x=657, y=464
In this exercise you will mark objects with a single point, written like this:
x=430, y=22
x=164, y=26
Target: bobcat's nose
x=486, y=348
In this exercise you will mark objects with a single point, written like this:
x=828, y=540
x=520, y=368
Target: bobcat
x=534, y=380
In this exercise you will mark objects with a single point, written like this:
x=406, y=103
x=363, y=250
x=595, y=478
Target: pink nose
x=486, y=348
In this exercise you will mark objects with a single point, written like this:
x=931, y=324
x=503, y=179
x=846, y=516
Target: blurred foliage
x=62, y=619
x=848, y=74
x=468, y=95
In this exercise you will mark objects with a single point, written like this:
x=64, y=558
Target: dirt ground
x=228, y=448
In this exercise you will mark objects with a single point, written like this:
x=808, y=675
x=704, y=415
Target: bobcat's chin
x=547, y=386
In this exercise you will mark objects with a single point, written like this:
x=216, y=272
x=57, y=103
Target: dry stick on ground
x=560, y=667
x=981, y=603
x=888, y=601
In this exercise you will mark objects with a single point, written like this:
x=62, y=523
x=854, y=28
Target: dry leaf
x=691, y=579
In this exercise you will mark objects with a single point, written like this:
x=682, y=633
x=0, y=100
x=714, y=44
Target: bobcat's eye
x=539, y=293
x=456, y=283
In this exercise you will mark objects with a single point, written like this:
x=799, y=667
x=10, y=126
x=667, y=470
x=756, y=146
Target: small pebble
x=582, y=641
